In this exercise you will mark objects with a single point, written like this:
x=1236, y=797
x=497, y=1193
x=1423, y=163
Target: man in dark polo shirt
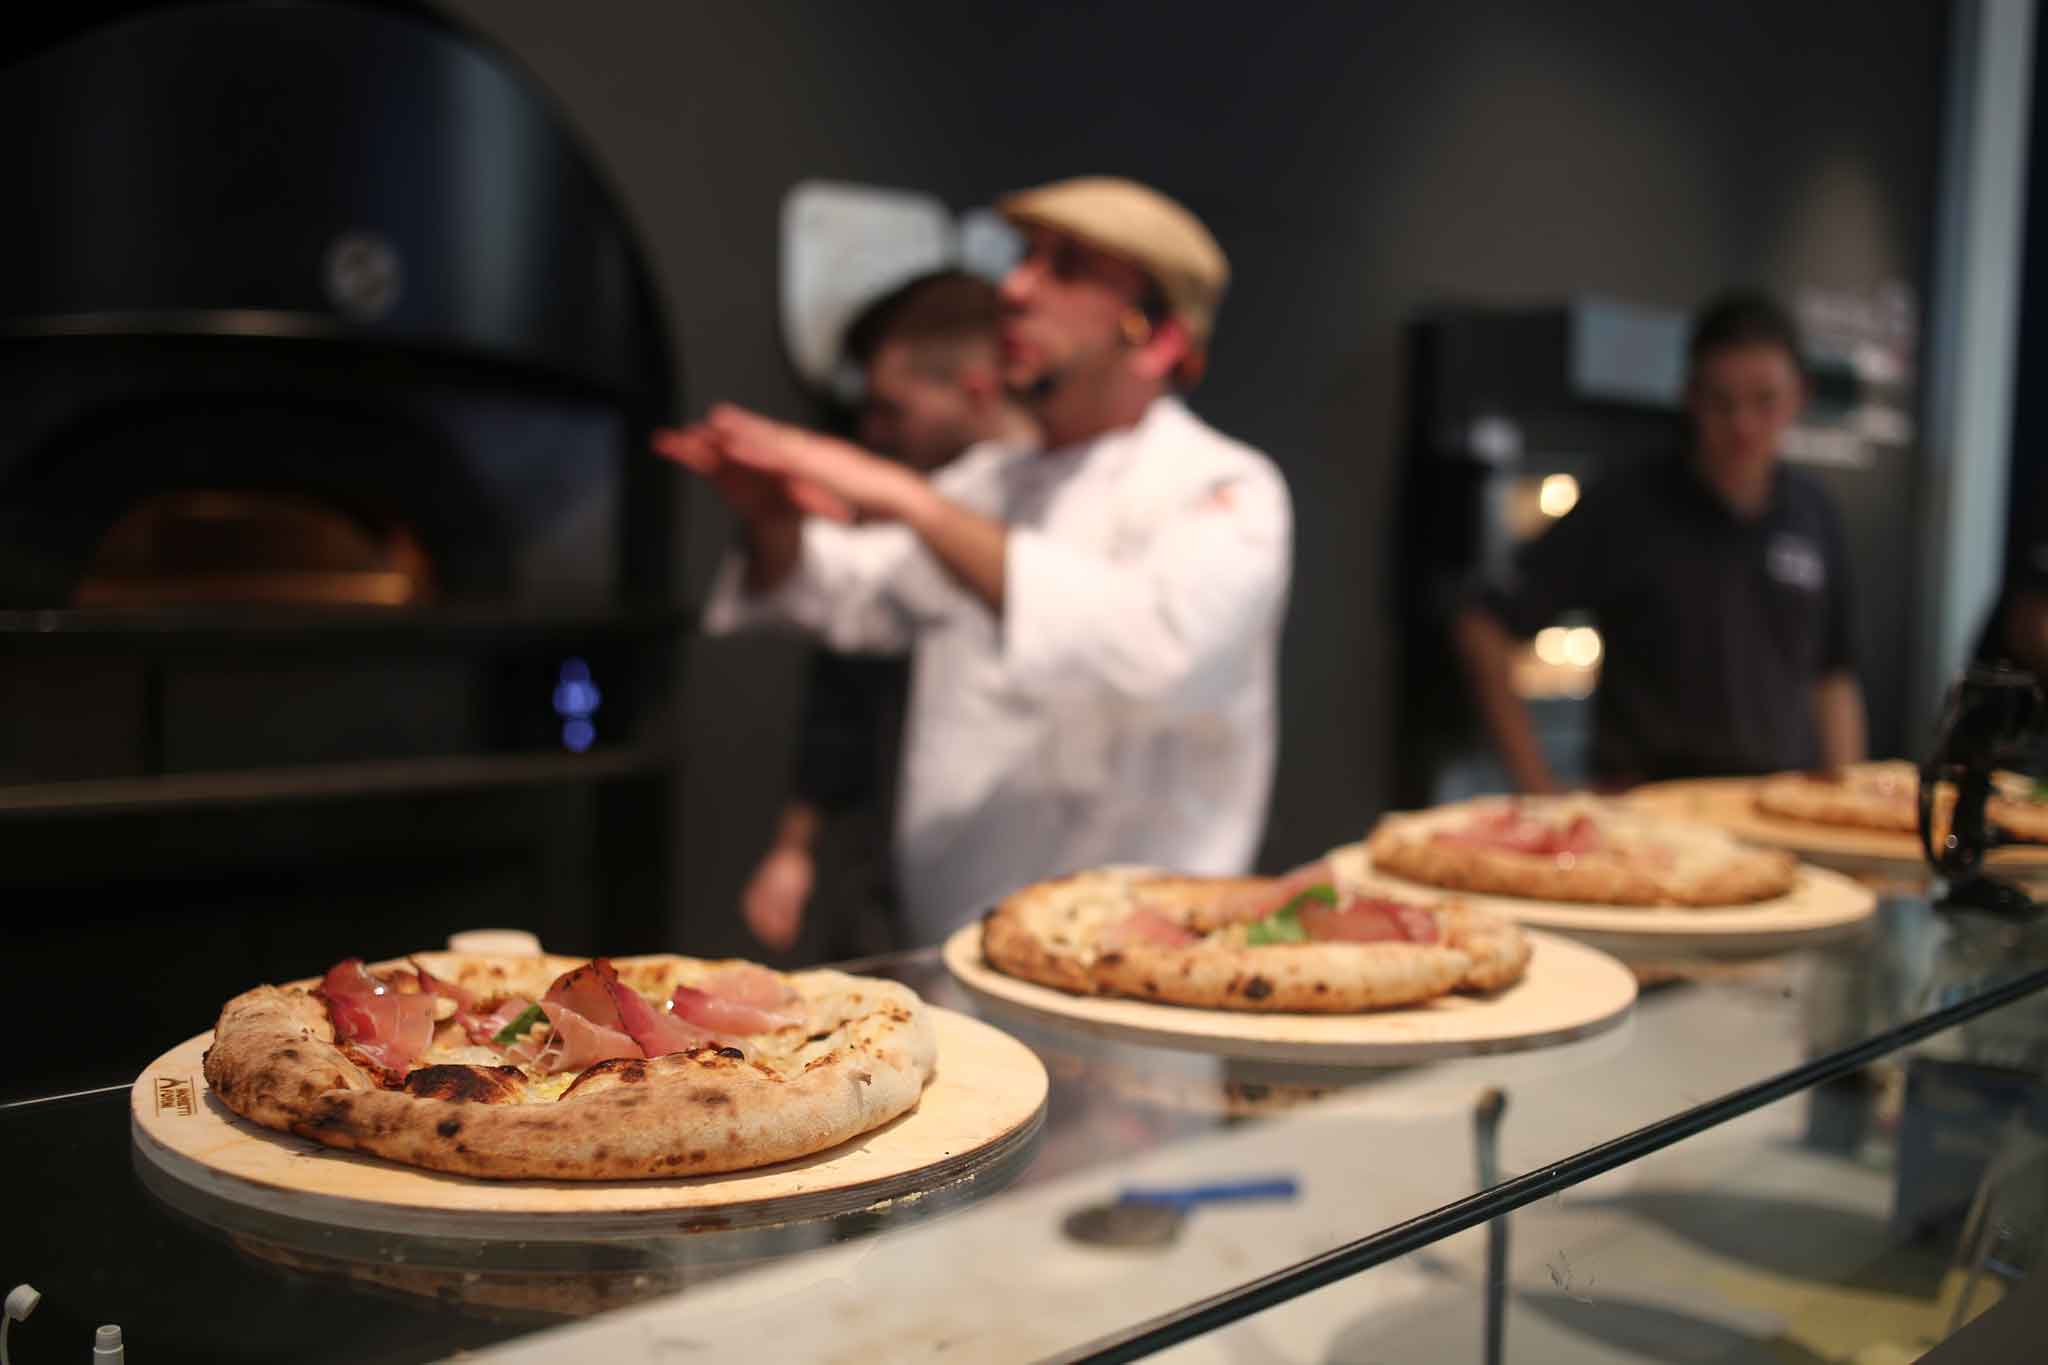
x=1719, y=583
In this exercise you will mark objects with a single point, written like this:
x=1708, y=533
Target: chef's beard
x=1055, y=379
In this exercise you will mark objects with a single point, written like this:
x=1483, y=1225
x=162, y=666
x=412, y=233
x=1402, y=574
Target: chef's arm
x=972, y=548
x=1839, y=719
x=1488, y=652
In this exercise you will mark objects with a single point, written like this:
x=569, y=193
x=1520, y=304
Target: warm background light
x=1559, y=494
x=1582, y=646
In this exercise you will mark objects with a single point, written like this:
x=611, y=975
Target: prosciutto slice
x=1514, y=831
x=577, y=1043
x=392, y=1029
x=1368, y=920
x=656, y=1032
x=743, y=983
x=1145, y=925
x=586, y=992
x=723, y=1016
x=447, y=990
x=1257, y=902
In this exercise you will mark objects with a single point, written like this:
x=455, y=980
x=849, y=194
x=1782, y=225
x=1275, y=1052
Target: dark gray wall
x=1356, y=160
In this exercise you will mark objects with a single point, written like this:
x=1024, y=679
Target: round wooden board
x=1569, y=991
x=1823, y=905
x=1729, y=803
x=985, y=1102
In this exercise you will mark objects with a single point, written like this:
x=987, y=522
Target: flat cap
x=1142, y=226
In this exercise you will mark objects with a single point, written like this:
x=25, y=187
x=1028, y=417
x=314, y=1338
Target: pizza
x=543, y=1067
x=1576, y=848
x=1886, y=796
x=1321, y=939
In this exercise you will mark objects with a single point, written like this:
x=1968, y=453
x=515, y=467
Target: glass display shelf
x=1851, y=1134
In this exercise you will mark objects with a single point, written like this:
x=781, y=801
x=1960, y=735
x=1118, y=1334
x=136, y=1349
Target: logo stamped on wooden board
x=174, y=1096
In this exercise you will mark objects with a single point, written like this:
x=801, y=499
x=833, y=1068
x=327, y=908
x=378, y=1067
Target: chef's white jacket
x=1121, y=707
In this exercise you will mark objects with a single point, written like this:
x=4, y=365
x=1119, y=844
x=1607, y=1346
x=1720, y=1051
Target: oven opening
x=230, y=546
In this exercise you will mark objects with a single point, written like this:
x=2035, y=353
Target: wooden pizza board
x=985, y=1103
x=1729, y=803
x=1569, y=991
x=1822, y=906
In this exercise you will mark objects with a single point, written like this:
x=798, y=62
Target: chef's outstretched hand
x=871, y=487
x=756, y=495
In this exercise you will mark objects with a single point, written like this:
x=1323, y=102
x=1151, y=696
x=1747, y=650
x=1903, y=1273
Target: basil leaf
x=513, y=1031
x=1325, y=893
x=1284, y=925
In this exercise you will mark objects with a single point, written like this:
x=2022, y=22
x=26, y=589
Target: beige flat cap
x=1142, y=226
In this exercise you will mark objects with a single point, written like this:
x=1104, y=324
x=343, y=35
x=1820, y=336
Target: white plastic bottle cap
x=106, y=1345
x=497, y=942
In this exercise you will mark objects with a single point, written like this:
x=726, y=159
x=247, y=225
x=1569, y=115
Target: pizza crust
x=861, y=1057
x=1049, y=933
x=1885, y=795
x=1865, y=796
x=1641, y=861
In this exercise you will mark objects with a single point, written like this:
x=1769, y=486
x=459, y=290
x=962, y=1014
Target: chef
x=1093, y=624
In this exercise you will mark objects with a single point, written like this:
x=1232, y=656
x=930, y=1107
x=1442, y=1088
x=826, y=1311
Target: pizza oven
x=333, y=572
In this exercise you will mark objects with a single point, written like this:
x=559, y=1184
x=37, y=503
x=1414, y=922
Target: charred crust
x=734, y=1053
x=1111, y=958
x=710, y=1095
x=1258, y=988
x=814, y=1038
x=628, y=1071
x=448, y=1128
x=465, y=1084
x=329, y=1117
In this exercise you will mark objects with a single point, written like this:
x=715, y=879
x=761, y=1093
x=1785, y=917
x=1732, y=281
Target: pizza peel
x=1569, y=991
x=1822, y=906
x=983, y=1107
x=1729, y=803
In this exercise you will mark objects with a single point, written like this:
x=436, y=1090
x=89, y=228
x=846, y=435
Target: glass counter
x=1832, y=1155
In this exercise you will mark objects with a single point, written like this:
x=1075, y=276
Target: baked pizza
x=1321, y=939
x=1886, y=796
x=565, y=1069
x=1576, y=848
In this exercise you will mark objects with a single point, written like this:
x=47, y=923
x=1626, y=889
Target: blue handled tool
x=1187, y=1196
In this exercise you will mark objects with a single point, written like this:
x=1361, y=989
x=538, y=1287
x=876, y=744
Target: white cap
x=106, y=1345
x=495, y=942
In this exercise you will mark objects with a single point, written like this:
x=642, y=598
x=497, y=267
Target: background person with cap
x=1094, y=625
x=931, y=365
x=1719, y=581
